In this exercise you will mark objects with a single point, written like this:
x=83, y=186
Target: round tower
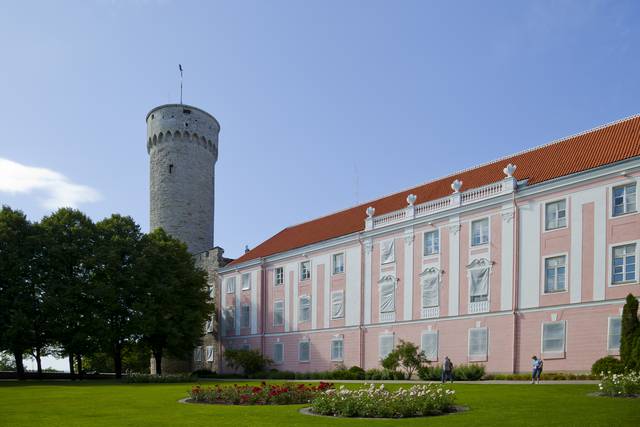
x=182, y=142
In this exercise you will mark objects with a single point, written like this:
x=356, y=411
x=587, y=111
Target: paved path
x=414, y=382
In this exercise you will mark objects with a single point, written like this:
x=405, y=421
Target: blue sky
x=323, y=104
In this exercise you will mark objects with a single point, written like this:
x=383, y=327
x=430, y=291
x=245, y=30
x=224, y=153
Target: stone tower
x=182, y=142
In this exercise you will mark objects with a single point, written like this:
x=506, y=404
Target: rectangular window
x=337, y=349
x=337, y=304
x=303, y=351
x=304, y=309
x=555, y=215
x=387, y=252
x=305, y=270
x=386, y=345
x=480, y=232
x=431, y=242
x=624, y=264
x=388, y=296
x=429, y=344
x=278, y=352
x=430, y=290
x=210, y=353
x=197, y=354
x=553, y=337
x=230, y=320
x=231, y=285
x=279, y=274
x=479, y=284
x=555, y=274
x=278, y=313
x=615, y=330
x=478, y=342
x=246, y=281
x=211, y=292
x=624, y=199
x=338, y=263
x=245, y=316
x=209, y=325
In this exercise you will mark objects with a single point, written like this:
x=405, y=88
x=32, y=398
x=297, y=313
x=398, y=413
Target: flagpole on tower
x=180, y=68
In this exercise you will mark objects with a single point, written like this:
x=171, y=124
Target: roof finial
x=370, y=211
x=509, y=170
x=456, y=185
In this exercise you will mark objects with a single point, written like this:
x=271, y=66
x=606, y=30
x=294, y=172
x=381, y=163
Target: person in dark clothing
x=447, y=370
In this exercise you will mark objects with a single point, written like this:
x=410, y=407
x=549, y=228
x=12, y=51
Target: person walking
x=535, y=373
x=540, y=364
x=447, y=370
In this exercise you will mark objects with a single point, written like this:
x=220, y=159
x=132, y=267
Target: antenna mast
x=180, y=68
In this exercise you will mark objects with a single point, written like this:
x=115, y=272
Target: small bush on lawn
x=264, y=394
x=430, y=373
x=148, y=378
x=471, y=372
x=383, y=374
x=615, y=385
x=406, y=356
x=377, y=402
x=251, y=361
x=607, y=364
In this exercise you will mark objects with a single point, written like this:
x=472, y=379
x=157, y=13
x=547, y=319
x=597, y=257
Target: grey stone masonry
x=182, y=142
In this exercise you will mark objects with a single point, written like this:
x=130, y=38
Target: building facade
x=530, y=254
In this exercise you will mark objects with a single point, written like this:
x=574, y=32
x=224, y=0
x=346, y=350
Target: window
x=231, y=285
x=278, y=313
x=304, y=309
x=246, y=281
x=337, y=349
x=478, y=343
x=553, y=337
x=230, y=320
x=431, y=242
x=305, y=270
x=386, y=345
x=245, y=316
x=624, y=199
x=388, y=295
x=338, y=263
x=211, y=292
x=555, y=215
x=209, y=325
x=479, y=277
x=430, y=283
x=337, y=304
x=555, y=274
x=197, y=354
x=279, y=273
x=429, y=344
x=624, y=264
x=278, y=352
x=210, y=353
x=303, y=351
x=387, y=252
x=480, y=232
x=615, y=330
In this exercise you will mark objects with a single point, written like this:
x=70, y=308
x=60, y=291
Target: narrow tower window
x=170, y=168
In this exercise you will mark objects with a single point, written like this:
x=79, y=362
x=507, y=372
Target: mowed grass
x=114, y=404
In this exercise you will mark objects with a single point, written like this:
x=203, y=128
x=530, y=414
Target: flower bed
x=620, y=385
x=264, y=394
x=377, y=402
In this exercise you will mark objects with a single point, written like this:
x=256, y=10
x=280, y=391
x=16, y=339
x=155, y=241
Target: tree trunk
x=39, y=362
x=19, y=365
x=117, y=361
x=158, y=356
x=71, y=369
x=79, y=361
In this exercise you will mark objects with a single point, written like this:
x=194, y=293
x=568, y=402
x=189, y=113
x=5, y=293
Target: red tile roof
x=604, y=145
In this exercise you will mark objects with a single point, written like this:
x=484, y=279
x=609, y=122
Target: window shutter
x=479, y=283
x=430, y=290
x=478, y=342
x=387, y=297
x=387, y=251
x=553, y=337
x=430, y=345
x=386, y=345
x=209, y=353
x=337, y=305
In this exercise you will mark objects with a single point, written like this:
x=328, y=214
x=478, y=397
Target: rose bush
x=627, y=384
x=264, y=394
x=377, y=402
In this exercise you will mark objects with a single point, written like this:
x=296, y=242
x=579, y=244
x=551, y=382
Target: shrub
x=251, y=361
x=630, y=333
x=358, y=371
x=430, y=373
x=615, y=385
x=376, y=402
x=149, y=378
x=406, y=356
x=607, y=364
x=471, y=372
x=285, y=394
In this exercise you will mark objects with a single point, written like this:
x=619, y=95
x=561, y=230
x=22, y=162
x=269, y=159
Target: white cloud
x=53, y=189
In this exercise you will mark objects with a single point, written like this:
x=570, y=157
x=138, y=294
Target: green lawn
x=112, y=404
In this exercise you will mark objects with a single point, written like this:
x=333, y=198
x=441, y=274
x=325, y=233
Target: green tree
x=116, y=284
x=6, y=362
x=251, y=361
x=630, y=329
x=68, y=240
x=174, y=307
x=406, y=356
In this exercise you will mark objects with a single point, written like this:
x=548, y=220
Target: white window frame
x=566, y=215
x=612, y=247
x=209, y=325
x=613, y=350
x=245, y=286
x=276, y=302
x=482, y=306
x=341, y=293
x=333, y=263
x=478, y=357
x=554, y=353
x=333, y=341
x=566, y=273
x=393, y=344
x=303, y=276
x=436, y=249
x=197, y=354
x=278, y=279
x=230, y=320
x=247, y=316
x=300, y=308
x=300, y=343
x=474, y=221
x=275, y=345
x=210, y=353
x=393, y=255
x=388, y=316
x=613, y=201
x=431, y=332
x=230, y=283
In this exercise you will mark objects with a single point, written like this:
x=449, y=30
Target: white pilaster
x=352, y=285
x=506, y=257
x=408, y=272
x=600, y=255
x=454, y=265
x=327, y=290
x=368, y=249
x=254, y=301
x=529, y=230
x=238, y=305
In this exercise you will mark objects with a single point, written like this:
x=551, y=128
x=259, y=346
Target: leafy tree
x=630, y=328
x=117, y=287
x=406, y=356
x=6, y=362
x=174, y=307
x=251, y=361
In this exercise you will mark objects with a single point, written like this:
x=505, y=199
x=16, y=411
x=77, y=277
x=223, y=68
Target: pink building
x=530, y=254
